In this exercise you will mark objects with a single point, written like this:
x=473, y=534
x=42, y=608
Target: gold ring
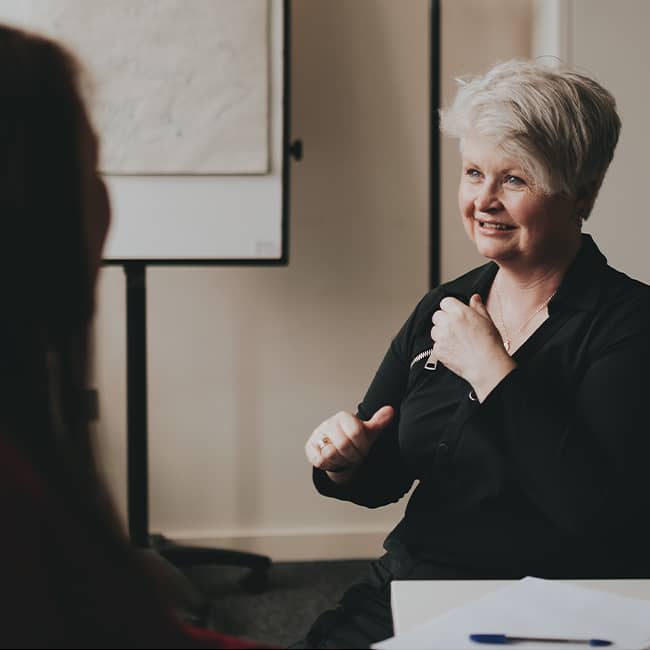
x=323, y=442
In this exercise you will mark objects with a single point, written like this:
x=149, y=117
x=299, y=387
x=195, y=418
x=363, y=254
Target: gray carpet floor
x=280, y=615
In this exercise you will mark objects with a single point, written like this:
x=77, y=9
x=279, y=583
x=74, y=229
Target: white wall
x=609, y=40
x=245, y=362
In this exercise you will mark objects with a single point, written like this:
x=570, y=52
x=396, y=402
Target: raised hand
x=466, y=340
x=341, y=443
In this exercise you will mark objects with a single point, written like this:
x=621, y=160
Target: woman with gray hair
x=515, y=394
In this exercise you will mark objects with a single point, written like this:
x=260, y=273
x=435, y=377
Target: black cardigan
x=547, y=476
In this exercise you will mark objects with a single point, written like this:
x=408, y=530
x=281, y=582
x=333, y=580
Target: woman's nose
x=487, y=199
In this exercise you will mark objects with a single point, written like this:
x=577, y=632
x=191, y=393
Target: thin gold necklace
x=505, y=336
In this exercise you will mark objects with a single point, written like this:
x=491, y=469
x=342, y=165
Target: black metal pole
x=434, y=146
x=136, y=388
x=137, y=456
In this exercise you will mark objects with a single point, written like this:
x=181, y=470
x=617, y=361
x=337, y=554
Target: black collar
x=580, y=289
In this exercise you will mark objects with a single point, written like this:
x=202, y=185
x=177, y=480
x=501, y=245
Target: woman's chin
x=491, y=249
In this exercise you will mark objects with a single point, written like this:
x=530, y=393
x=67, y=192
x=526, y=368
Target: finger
x=476, y=303
x=444, y=358
x=314, y=455
x=319, y=447
x=345, y=451
x=438, y=316
x=355, y=431
x=379, y=421
x=324, y=455
x=452, y=305
x=435, y=333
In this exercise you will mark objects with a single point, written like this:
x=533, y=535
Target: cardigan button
x=443, y=449
x=472, y=396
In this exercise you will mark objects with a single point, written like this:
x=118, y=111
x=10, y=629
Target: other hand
x=467, y=341
x=341, y=443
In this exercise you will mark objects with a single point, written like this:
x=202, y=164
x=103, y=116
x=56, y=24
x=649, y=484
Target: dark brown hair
x=45, y=276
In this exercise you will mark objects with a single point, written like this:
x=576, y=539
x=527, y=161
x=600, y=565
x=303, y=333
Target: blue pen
x=502, y=639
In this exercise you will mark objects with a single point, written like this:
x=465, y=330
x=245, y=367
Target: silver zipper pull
x=432, y=363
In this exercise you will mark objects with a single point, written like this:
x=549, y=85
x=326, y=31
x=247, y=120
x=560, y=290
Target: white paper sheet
x=539, y=608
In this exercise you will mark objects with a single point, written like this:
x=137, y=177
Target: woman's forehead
x=487, y=150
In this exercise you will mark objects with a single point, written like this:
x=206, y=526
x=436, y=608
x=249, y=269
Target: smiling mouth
x=494, y=226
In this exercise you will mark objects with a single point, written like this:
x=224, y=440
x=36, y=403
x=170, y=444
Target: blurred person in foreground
x=514, y=395
x=69, y=579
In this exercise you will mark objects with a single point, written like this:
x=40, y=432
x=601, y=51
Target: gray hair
x=561, y=126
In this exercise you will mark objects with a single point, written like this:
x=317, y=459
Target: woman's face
x=507, y=218
x=95, y=202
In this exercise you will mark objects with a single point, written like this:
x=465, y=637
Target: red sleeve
x=62, y=586
x=207, y=638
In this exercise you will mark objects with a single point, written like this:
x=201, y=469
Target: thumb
x=379, y=421
x=476, y=303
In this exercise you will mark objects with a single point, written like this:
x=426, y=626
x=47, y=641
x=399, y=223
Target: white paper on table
x=533, y=607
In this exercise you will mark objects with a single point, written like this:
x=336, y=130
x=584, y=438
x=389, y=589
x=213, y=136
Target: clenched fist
x=468, y=342
x=341, y=443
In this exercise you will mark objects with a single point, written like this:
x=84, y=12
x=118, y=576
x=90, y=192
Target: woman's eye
x=514, y=180
x=473, y=173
